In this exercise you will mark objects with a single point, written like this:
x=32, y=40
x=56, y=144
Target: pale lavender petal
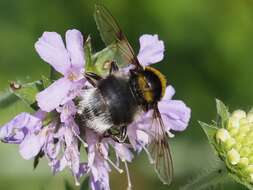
x=40, y=114
x=142, y=137
x=151, y=49
x=68, y=136
x=91, y=155
x=132, y=136
x=169, y=93
x=52, y=97
x=51, y=49
x=83, y=169
x=74, y=91
x=30, y=146
x=102, y=180
x=16, y=130
x=52, y=144
x=74, y=43
x=59, y=165
x=123, y=152
x=175, y=114
x=67, y=110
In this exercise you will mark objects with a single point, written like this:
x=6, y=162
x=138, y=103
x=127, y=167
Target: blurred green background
x=209, y=54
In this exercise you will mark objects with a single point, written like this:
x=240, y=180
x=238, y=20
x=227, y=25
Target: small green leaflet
x=223, y=114
x=27, y=92
x=100, y=61
x=7, y=99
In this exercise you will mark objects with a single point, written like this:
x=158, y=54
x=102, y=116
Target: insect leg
x=92, y=78
x=123, y=134
x=113, y=67
x=119, y=136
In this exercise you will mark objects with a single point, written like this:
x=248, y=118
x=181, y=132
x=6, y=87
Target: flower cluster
x=236, y=143
x=52, y=131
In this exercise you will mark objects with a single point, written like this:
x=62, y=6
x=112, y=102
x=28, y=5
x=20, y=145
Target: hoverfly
x=117, y=98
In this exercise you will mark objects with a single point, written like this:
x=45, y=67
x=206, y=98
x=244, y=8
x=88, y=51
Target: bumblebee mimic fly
x=118, y=98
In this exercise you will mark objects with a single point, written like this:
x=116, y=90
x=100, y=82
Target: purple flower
x=24, y=129
x=67, y=110
x=175, y=113
x=97, y=161
x=151, y=49
x=18, y=128
x=60, y=138
x=69, y=61
x=138, y=134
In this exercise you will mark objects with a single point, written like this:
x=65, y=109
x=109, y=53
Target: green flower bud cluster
x=235, y=144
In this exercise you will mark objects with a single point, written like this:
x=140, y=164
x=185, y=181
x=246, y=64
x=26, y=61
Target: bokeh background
x=209, y=54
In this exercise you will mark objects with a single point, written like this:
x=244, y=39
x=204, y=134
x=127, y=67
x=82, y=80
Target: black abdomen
x=119, y=99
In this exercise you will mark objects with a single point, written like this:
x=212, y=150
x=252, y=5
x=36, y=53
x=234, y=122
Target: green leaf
x=37, y=159
x=46, y=81
x=223, y=113
x=7, y=99
x=27, y=92
x=88, y=54
x=85, y=184
x=210, y=131
x=102, y=59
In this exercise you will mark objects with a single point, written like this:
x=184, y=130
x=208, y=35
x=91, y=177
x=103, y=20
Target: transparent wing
x=160, y=151
x=112, y=34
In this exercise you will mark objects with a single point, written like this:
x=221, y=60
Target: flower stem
x=211, y=178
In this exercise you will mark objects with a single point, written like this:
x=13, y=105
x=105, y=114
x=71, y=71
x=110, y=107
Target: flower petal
x=51, y=49
x=74, y=43
x=175, y=114
x=75, y=90
x=169, y=93
x=123, y=152
x=31, y=146
x=52, y=97
x=151, y=49
x=67, y=110
x=16, y=130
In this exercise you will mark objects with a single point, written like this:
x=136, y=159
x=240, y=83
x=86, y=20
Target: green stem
x=211, y=178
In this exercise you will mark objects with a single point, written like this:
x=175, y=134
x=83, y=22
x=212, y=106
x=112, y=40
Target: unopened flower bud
x=250, y=117
x=233, y=157
x=233, y=131
x=245, y=151
x=244, y=162
x=249, y=169
x=234, y=143
x=244, y=128
x=229, y=143
x=239, y=114
x=234, y=120
x=251, y=178
x=222, y=135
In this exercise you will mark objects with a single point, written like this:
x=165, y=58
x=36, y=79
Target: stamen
x=151, y=160
x=98, y=145
x=76, y=181
x=113, y=165
x=80, y=139
x=129, y=184
x=171, y=135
